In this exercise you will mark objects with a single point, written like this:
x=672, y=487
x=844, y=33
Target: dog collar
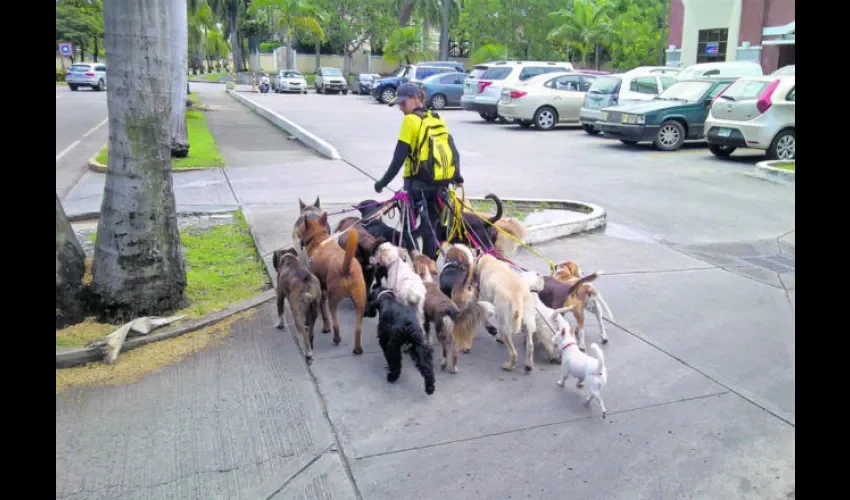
x=454, y=263
x=381, y=293
x=567, y=346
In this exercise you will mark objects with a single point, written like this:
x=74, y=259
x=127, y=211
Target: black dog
x=484, y=233
x=379, y=229
x=397, y=327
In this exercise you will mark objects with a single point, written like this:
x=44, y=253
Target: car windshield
x=787, y=70
x=331, y=72
x=745, y=90
x=399, y=72
x=291, y=74
x=685, y=91
x=476, y=72
x=690, y=73
x=80, y=67
x=605, y=85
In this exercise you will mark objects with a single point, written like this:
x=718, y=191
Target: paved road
x=81, y=130
x=701, y=394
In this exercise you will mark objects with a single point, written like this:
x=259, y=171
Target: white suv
x=91, y=75
x=483, y=95
x=756, y=113
x=329, y=79
x=612, y=90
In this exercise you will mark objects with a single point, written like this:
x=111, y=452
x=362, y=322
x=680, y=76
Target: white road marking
x=77, y=142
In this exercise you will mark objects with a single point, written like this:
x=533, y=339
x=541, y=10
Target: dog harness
x=381, y=293
x=567, y=346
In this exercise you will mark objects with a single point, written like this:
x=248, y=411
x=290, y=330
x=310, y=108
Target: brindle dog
x=304, y=292
x=366, y=246
x=312, y=212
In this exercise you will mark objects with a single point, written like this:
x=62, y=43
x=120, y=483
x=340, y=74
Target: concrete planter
x=769, y=170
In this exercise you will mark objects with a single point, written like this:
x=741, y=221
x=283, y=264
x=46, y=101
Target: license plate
x=724, y=132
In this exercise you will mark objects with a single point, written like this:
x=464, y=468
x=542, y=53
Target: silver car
x=92, y=75
x=612, y=90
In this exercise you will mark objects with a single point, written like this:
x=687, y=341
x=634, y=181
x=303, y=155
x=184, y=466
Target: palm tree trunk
x=70, y=267
x=444, y=31
x=596, y=56
x=138, y=269
x=235, y=42
x=179, y=78
x=287, y=37
x=318, y=55
x=94, y=39
x=426, y=35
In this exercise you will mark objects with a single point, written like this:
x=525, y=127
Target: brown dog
x=556, y=295
x=305, y=211
x=588, y=297
x=339, y=274
x=366, y=246
x=304, y=292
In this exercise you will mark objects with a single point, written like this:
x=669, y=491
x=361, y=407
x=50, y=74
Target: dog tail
x=585, y=279
x=597, y=353
x=516, y=322
x=604, y=305
x=422, y=356
x=350, y=249
x=498, y=203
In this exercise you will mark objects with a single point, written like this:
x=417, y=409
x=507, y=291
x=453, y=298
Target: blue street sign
x=66, y=48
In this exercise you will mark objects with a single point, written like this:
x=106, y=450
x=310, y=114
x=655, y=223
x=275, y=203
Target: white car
x=735, y=69
x=639, y=84
x=784, y=71
x=329, y=80
x=92, y=75
x=483, y=95
x=288, y=80
x=755, y=113
x=546, y=100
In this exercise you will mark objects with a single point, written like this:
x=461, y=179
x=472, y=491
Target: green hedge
x=60, y=75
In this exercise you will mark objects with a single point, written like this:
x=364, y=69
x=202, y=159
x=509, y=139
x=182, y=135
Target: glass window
x=496, y=73
x=606, y=85
x=586, y=82
x=332, y=72
x=743, y=90
x=686, y=91
x=448, y=79
x=718, y=88
x=711, y=45
x=667, y=81
x=569, y=83
x=644, y=85
x=792, y=96
x=531, y=71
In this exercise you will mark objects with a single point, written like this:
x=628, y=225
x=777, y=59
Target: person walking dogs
x=431, y=162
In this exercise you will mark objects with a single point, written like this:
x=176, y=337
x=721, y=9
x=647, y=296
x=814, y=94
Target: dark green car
x=674, y=116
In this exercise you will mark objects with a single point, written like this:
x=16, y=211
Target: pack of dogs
x=464, y=289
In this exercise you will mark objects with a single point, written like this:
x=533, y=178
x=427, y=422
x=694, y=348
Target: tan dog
x=304, y=292
x=455, y=328
x=588, y=297
x=514, y=303
x=505, y=245
x=338, y=272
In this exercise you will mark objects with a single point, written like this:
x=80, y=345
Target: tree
x=80, y=22
x=355, y=22
x=584, y=26
x=179, y=78
x=636, y=39
x=289, y=15
x=138, y=269
x=489, y=52
x=70, y=267
x=403, y=46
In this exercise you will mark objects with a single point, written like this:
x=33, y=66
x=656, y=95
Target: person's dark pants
x=424, y=198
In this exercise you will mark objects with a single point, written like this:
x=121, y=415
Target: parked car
x=635, y=85
x=287, y=80
x=362, y=83
x=664, y=70
x=784, y=71
x=483, y=95
x=84, y=74
x=443, y=90
x=729, y=69
x=384, y=89
x=545, y=100
x=330, y=79
x=755, y=113
x=674, y=116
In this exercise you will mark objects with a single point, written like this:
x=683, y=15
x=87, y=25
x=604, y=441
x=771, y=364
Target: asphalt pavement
x=699, y=262
x=81, y=130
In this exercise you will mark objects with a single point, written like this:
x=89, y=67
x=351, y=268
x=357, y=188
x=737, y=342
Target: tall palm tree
x=179, y=78
x=138, y=269
x=292, y=14
x=70, y=267
x=585, y=26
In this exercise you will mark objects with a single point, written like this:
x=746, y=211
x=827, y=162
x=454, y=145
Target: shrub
x=60, y=75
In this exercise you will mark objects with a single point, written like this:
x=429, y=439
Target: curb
x=80, y=356
x=186, y=213
x=96, y=166
x=764, y=170
x=309, y=139
x=596, y=217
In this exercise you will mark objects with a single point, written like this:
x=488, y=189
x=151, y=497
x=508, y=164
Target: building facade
x=732, y=30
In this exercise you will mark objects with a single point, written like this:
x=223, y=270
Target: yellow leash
x=463, y=204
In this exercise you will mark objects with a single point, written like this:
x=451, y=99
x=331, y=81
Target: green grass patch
x=222, y=267
x=786, y=166
x=203, y=152
x=509, y=209
x=61, y=84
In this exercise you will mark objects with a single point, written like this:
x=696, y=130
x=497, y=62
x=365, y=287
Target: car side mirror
x=708, y=102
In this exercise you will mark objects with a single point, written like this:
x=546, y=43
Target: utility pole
x=663, y=41
x=444, y=31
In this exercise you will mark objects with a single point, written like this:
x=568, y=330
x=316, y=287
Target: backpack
x=432, y=160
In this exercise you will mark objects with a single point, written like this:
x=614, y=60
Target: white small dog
x=585, y=368
x=402, y=279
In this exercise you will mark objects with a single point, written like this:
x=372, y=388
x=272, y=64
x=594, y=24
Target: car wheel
x=590, y=129
x=305, y=92
x=545, y=118
x=73, y=88
x=489, y=117
x=721, y=151
x=344, y=92
x=628, y=143
x=387, y=95
x=438, y=101
x=99, y=86
x=318, y=89
x=525, y=123
x=671, y=136
x=783, y=146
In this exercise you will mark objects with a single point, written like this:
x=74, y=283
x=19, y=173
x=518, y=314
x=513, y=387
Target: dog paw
x=492, y=330
x=429, y=389
x=508, y=367
x=528, y=369
x=582, y=348
x=580, y=385
x=279, y=325
x=604, y=414
x=559, y=383
x=443, y=366
x=309, y=360
x=466, y=351
x=604, y=340
x=453, y=370
x=500, y=341
x=392, y=377
x=358, y=350
x=326, y=329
